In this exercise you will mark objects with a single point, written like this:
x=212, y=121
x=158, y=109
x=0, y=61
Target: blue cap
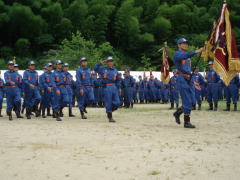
x=49, y=64
x=83, y=59
x=44, y=67
x=58, y=62
x=31, y=63
x=65, y=64
x=210, y=63
x=109, y=58
x=126, y=71
x=10, y=63
x=196, y=67
x=182, y=40
x=16, y=65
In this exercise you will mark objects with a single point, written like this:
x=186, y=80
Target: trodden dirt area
x=145, y=143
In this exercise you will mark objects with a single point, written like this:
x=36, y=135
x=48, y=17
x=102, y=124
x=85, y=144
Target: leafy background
x=130, y=30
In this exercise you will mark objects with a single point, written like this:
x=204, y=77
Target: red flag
x=224, y=48
x=151, y=73
x=165, y=77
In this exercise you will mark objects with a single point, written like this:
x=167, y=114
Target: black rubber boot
x=36, y=110
x=43, y=113
x=172, y=105
x=10, y=116
x=210, y=106
x=235, y=107
x=48, y=111
x=1, y=113
x=61, y=112
x=177, y=115
x=187, y=123
x=57, y=116
x=85, y=110
x=18, y=114
x=227, y=107
x=194, y=107
x=109, y=115
x=54, y=114
x=70, y=112
x=177, y=105
x=131, y=105
x=82, y=114
x=199, y=107
x=28, y=113
x=215, y=107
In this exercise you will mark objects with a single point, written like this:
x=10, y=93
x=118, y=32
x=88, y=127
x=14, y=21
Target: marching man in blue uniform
x=111, y=86
x=47, y=84
x=128, y=83
x=174, y=93
x=2, y=93
x=13, y=92
x=232, y=93
x=213, y=80
x=141, y=90
x=85, y=86
x=61, y=98
x=69, y=85
x=198, y=81
x=30, y=89
x=182, y=62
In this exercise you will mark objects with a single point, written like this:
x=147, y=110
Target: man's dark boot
x=57, y=116
x=48, y=111
x=43, y=113
x=70, y=112
x=36, y=110
x=177, y=105
x=235, y=107
x=1, y=113
x=28, y=113
x=10, y=116
x=187, y=123
x=54, y=114
x=216, y=107
x=18, y=114
x=61, y=112
x=210, y=106
x=227, y=107
x=177, y=115
x=199, y=107
x=131, y=104
x=172, y=105
x=82, y=114
x=85, y=110
x=194, y=107
x=109, y=115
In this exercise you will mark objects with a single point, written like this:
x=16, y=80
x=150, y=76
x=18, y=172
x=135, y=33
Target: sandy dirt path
x=145, y=143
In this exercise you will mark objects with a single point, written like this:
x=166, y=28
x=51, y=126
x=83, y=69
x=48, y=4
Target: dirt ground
x=145, y=143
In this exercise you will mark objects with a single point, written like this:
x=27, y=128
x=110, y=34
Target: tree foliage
x=131, y=30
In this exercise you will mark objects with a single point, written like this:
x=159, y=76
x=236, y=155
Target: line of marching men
x=211, y=87
x=105, y=87
x=55, y=89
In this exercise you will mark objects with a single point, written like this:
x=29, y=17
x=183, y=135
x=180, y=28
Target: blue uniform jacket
x=182, y=61
x=109, y=75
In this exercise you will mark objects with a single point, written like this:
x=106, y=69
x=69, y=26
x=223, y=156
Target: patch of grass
x=199, y=149
x=154, y=173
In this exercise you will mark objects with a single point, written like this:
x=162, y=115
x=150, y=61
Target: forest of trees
x=131, y=30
